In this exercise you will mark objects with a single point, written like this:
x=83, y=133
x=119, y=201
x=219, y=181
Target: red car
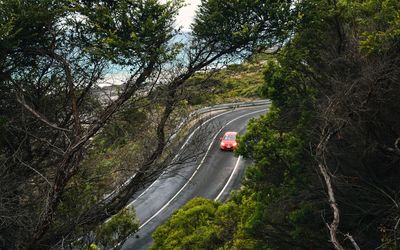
x=228, y=141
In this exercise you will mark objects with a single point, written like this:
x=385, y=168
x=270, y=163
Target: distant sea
x=117, y=75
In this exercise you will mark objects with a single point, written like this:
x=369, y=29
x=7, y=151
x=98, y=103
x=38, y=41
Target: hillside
x=232, y=83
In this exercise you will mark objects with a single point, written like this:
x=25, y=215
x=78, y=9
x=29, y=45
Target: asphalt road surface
x=201, y=169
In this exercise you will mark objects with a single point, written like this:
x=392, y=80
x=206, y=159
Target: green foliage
x=200, y=224
x=26, y=23
x=251, y=16
x=378, y=22
x=117, y=229
x=189, y=228
x=273, y=217
x=303, y=219
x=299, y=83
x=129, y=122
x=338, y=68
x=52, y=55
x=128, y=32
x=278, y=153
x=283, y=87
x=91, y=247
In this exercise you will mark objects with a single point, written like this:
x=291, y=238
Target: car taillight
x=222, y=143
x=234, y=144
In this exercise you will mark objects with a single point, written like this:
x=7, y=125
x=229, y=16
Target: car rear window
x=230, y=137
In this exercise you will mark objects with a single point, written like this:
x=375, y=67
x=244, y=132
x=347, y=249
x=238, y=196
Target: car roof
x=230, y=133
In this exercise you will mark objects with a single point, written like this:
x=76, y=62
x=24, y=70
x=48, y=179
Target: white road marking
x=197, y=169
x=177, y=155
x=229, y=180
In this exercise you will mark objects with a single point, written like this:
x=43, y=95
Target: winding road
x=201, y=170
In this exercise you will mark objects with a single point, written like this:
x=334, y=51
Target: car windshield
x=230, y=137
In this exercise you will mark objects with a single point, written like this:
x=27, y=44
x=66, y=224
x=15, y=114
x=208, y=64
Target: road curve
x=201, y=170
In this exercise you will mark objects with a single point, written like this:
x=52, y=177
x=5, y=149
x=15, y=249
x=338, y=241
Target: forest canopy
x=326, y=156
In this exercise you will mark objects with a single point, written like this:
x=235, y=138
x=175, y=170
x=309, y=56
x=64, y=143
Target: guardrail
x=230, y=105
x=216, y=108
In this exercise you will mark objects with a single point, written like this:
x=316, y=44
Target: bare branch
x=39, y=116
x=35, y=170
x=323, y=168
x=396, y=145
x=355, y=245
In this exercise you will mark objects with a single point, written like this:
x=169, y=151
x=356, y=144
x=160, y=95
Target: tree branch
x=39, y=116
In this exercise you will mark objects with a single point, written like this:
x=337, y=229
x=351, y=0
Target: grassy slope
x=236, y=82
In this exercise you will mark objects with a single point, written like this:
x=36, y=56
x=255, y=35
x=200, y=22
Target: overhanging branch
x=40, y=117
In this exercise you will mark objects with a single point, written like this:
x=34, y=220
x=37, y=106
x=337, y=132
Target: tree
x=50, y=67
x=189, y=228
x=329, y=59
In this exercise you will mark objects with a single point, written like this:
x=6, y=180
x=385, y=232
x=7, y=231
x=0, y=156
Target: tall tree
x=50, y=65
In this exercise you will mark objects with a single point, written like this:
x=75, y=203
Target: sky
x=187, y=13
